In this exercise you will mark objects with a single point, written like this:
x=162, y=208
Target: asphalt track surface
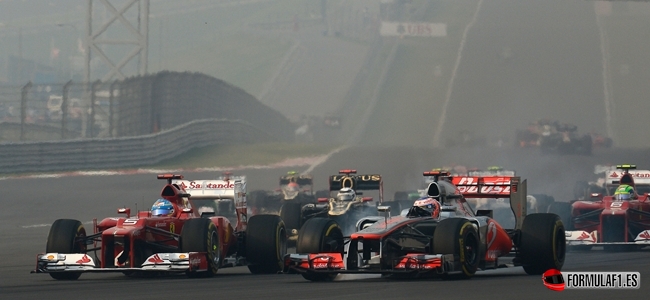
x=32, y=204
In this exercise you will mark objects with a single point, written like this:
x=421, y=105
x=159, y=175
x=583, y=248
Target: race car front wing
x=159, y=262
x=584, y=238
x=333, y=263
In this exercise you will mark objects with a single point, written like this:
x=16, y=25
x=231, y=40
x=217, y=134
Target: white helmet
x=345, y=194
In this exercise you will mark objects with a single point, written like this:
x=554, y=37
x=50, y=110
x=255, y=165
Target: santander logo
x=217, y=184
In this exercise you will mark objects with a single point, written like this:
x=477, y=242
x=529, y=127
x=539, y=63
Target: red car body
x=604, y=220
x=186, y=241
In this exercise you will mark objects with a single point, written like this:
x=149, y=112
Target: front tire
x=66, y=236
x=200, y=235
x=320, y=235
x=542, y=244
x=266, y=244
x=459, y=237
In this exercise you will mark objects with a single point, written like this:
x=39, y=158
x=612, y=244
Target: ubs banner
x=413, y=29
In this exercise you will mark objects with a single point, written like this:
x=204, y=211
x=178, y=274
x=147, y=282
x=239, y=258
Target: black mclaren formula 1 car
x=453, y=241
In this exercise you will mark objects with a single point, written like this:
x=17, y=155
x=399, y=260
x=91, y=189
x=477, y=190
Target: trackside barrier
x=127, y=152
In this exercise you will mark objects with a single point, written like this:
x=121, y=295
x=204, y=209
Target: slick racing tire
x=542, y=243
x=320, y=235
x=266, y=244
x=458, y=236
x=586, y=145
x=291, y=214
x=563, y=210
x=66, y=236
x=201, y=235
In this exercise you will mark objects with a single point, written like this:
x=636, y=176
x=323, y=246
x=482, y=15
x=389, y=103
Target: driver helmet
x=427, y=207
x=624, y=192
x=162, y=208
x=345, y=194
x=293, y=187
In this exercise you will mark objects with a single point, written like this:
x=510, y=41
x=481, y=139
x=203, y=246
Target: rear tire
x=542, y=243
x=291, y=214
x=200, y=235
x=563, y=210
x=320, y=235
x=459, y=237
x=66, y=236
x=266, y=244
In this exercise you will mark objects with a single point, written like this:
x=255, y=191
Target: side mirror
x=322, y=200
x=124, y=210
x=485, y=212
x=383, y=208
x=187, y=210
x=596, y=195
x=645, y=197
x=366, y=199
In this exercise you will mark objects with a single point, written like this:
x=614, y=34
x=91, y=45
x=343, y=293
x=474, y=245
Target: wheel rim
x=470, y=250
x=213, y=251
x=331, y=240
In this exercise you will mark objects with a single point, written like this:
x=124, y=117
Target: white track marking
x=607, y=89
x=322, y=160
x=47, y=225
x=441, y=120
x=311, y=161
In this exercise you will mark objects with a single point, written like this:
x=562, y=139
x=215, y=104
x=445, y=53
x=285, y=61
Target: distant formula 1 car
x=446, y=239
x=608, y=220
x=293, y=187
x=180, y=241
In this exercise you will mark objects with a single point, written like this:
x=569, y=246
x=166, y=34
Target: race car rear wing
x=218, y=189
x=496, y=187
x=299, y=179
x=623, y=175
x=491, y=173
x=368, y=182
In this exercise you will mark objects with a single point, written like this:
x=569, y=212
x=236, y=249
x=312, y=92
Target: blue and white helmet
x=162, y=208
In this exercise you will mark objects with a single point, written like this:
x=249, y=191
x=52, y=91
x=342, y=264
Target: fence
x=89, y=154
x=133, y=107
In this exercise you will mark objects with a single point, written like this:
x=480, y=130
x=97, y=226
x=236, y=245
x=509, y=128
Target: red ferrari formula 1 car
x=450, y=241
x=609, y=220
x=181, y=241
